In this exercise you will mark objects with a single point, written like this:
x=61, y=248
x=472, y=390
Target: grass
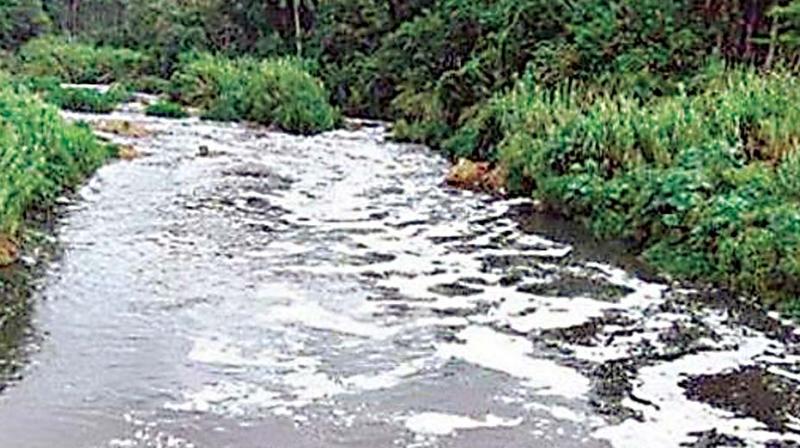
x=151, y=84
x=73, y=99
x=40, y=156
x=272, y=92
x=166, y=109
x=83, y=100
x=706, y=183
x=78, y=63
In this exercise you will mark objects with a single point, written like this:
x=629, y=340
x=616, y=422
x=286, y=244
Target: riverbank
x=269, y=289
x=703, y=184
x=698, y=179
x=41, y=156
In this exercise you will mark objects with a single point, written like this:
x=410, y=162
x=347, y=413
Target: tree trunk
x=74, y=7
x=773, y=43
x=298, y=29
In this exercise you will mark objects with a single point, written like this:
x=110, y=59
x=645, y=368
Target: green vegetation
x=76, y=99
x=705, y=183
x=272, y=92
x=670, y=123
x=21, y=20
x=40, y=156
x=166, y=109
x=76, y=63
x=86, y=99
x=150, y=84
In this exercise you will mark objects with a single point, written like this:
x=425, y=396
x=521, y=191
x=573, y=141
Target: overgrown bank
x=40, y=156
x=272, y=92
x=706, y=183
x=670, y=123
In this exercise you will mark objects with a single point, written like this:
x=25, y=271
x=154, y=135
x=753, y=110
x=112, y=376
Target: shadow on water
x=15, y=322
x=585, y=246
x=18, y=292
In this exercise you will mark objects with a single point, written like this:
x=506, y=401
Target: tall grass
x=40, y=156
x=166, y=109
x=78, y=63
x=273, y=92
x=76, y=99
x=706, y=183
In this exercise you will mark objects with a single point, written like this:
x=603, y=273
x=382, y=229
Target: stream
x=330, y=291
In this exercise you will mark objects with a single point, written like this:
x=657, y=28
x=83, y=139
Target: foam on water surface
x=331, y=287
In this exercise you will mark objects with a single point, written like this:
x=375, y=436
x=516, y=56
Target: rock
x=122, y=127
x=128, y=152
x=467, y=174
x=497, y=180
x=478, y=176
x=9, y=252
x=203, y=151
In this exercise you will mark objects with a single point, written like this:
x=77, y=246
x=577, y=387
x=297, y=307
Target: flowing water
x=329, y=291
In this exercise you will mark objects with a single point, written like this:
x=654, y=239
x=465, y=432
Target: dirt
x=480, y=176
x=9, y=252
x=128, y=152
x=749, y=391
x=569, y=285
x=122, y=128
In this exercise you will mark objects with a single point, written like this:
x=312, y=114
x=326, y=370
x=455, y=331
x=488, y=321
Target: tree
x=21, y=20
x=298, y=27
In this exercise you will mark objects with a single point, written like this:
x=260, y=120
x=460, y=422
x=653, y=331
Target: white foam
x=561, y=412
x=313, y=315
x=511, y=355
x=551, y=312
x=676, y=416
x=441, y=424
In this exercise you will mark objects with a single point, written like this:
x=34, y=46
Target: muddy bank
x=18, y=291
x=15, y=328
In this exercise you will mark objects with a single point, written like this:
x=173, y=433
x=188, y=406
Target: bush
x=86, y=99
x=40, y=156
x=705, y=183
x=77, y=63
x=21, y=20
x=272, y=92
x=166, y=109
x=214, y=85
x=282, y=93
x=151, y=84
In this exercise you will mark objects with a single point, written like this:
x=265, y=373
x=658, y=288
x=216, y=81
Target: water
x=329, y=291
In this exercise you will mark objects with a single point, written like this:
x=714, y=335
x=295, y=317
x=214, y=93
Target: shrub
x=214, y=85
x=40, y=156
x=151, y=84
x=705, y=183
x=74, y=99
x=166, y=109
x=87, y=100
x=281, y=92
x=78, y=63
x=21, y=20
x=271, y=92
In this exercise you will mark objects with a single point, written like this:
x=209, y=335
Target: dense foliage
x=166, y=109
x=76, y=63
x=706, y=183
x=273, y=92
x=78, y=99
x=40, y=156
x=21, y=20
x=671, y=123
